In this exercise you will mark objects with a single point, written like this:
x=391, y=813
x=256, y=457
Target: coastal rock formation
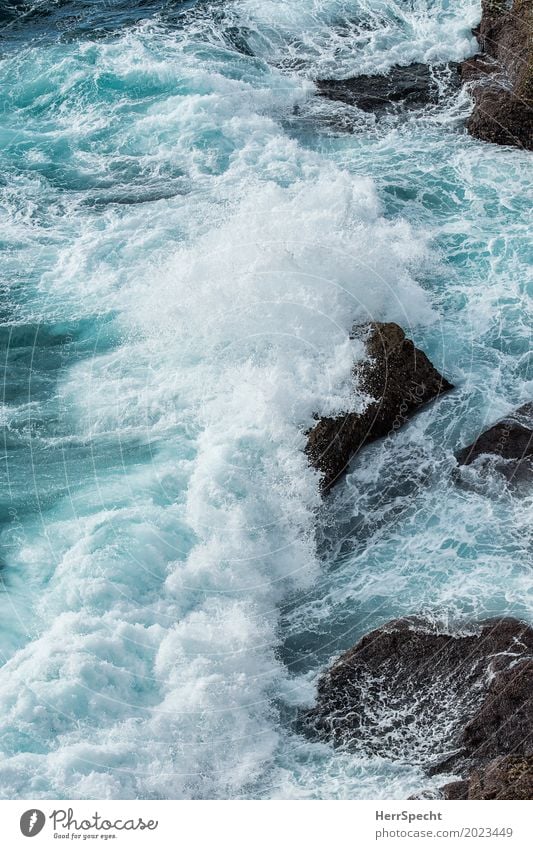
x=502, y=76
x=447, y=702
x=400, y=379
x=506, y=777
x=508, y=444
x=410, y=87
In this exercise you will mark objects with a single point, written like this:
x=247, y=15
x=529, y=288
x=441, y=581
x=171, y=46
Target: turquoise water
x=186, y=242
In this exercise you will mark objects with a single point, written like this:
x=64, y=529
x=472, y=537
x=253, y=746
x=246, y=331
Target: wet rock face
x=510, y=440
x=506, y=777
x=398, y=376
x=407, y=691
x=411, y=87
x=504, y=721
x=502, y=78
x=501, y=118
x=477, y=66
x=504, y=32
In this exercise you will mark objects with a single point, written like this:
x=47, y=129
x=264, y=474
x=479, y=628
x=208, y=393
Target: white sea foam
x=146, y=654
x=336, y=38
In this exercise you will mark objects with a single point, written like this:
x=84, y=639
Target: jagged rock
x=477, y=66
x=504, y=721
x=454, y=790
x=503, y=77
x=412, y=692
x=410, y=87
x=508, y=444
x=506, y=777
x=501, y=117
x=398, y=376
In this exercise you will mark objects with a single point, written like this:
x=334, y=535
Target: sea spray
x=197, y=251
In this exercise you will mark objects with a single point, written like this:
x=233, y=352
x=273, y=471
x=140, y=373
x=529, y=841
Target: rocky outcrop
x=410, y=87
x=506, y=777
x=502, y=76
x=508, y=445
x=398, y=377
x=447, y=702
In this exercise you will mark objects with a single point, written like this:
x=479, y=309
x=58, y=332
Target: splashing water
x=186, y=245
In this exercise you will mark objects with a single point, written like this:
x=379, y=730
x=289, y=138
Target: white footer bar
x=267, y=824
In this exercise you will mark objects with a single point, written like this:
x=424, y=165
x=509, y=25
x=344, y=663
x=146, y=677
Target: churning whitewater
x=187, y=240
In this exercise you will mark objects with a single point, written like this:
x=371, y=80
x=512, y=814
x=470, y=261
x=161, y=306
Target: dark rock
x=412, y=692
x=504, y=32
x=477, y=67
x=501, y=118
x=398, y=376
x=455, y=790
x=509, y=441
x=504, y=721
x=410, y=87
x=503, y=79
x=506, y=777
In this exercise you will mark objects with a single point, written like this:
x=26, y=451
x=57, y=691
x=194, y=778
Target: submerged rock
x=412, y=692
x=508, y=444
x=506, y=777
x=410, y=87
x=398, y=376
x=503, y=76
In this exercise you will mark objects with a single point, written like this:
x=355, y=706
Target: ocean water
x=187, y=236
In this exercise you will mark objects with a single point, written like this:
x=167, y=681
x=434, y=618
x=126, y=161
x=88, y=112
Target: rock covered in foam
x=403, y=87
x=411, y=691
x=398, y=377
x=508, y=444
x=503, y=74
